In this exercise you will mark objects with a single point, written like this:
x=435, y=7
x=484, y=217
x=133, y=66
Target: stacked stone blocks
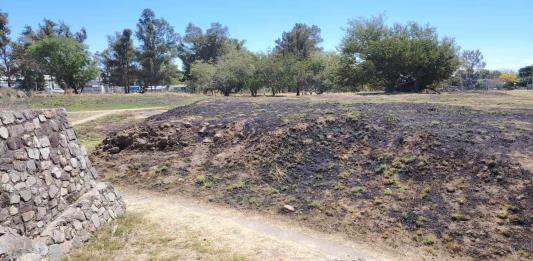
x=48, y=194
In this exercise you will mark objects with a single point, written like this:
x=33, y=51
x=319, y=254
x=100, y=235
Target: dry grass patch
x=133, y=237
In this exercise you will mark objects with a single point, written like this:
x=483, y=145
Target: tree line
x=371, y=56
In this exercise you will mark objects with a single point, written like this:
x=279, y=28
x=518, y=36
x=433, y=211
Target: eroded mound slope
x=435, y=177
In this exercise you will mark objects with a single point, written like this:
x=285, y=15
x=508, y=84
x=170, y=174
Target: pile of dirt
x=434, y=177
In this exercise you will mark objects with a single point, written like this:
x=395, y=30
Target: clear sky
x=502, y=30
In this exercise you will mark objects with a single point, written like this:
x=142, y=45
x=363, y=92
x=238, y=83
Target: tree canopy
x=301, y=41
x=157, y=50
x=205, y=47
x=120, y=59
x=7, y=66
x=67, y=60
x=401, y=57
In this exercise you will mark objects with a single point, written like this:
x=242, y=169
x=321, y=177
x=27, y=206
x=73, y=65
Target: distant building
x=178, y=88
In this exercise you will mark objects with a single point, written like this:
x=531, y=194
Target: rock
x=30, y=181
x=36, y=123
x=77, y=225
x=58, y=236
x=218, y=136
x=208, y=140
x=95, y=220
x=14, y=177
x=7, y=117
x=13, y=210
x=56, y=172
x=29, y=257
x=74, y=162
x=33, y=153
x=14, y=199
x=27, y=216
x=20, y=154
x=289, y=208
x=14, y=243
x=20, y=186
x=40, y=247
x=44, y=142
x=45, y=153
x=25, y=195
x=52, y=192
x=203, y=130
x=187, y=124
x=5, y=178
x=450, y=188
x=4, y=134
x=7, y=188
x=114, y=150
x=55, y=252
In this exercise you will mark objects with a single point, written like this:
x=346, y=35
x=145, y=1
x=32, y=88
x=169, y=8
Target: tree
x=67, y=60
x=405, y=58
x=232, y=70
x=301, y=41
x=201, y=79
x=32, y=76
x=205, y=47
x=119, y=59
x=158, y=48
x=472, y=62
x=526, y=75
x=7, y=64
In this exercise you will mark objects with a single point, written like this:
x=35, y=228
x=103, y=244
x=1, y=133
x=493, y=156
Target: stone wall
x=49, y=197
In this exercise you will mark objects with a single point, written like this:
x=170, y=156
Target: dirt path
x=87, y=116
x=249, y=235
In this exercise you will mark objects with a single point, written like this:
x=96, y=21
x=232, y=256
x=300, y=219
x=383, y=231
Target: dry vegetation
x=133, y=237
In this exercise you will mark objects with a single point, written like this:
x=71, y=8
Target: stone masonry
x=50, y=200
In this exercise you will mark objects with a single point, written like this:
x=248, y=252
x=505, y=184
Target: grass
x=204, y=181
x=489, y=99
x=89, y=136
x=93, y=102
x=133, y=237
x=238, y=185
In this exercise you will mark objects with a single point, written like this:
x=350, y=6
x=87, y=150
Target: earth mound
x=434, y=177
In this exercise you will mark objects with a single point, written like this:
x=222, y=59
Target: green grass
x=89, y=136
x=93, y=102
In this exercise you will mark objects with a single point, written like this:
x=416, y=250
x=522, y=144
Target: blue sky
x=502, y=30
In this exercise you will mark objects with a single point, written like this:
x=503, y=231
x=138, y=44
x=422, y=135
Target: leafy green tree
x=32, y=75
x=7, y=65
x=201, y=79
x=158, y=48
x=119, y=59
x=67, y=60
x=205, y=47
x=301, y=41
x=525, y=75
x=403, y=58
x=232, y=70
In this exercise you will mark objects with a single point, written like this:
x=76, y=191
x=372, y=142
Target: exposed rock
x=25, y=194
x=289, y=208
x=4, y=134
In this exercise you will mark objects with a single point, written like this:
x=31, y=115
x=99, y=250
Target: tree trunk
x=297, y=91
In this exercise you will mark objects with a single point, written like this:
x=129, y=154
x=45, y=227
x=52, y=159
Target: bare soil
x=443, y=180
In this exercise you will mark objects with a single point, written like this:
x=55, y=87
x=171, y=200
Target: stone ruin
x=50, y=200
